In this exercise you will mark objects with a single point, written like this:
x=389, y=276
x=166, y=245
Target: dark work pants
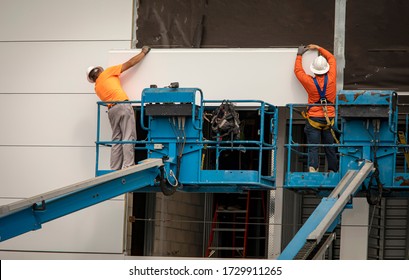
x=318, y=136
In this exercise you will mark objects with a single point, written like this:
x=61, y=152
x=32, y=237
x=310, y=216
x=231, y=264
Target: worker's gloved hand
x=301, y=50
x=146, y=49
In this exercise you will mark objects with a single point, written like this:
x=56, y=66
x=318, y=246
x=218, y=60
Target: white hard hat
x=319, y=66
x=89, y=70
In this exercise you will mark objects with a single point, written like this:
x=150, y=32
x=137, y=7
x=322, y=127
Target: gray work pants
x=122, y=119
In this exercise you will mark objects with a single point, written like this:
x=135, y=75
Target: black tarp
x=376, y=40
x=377, y=45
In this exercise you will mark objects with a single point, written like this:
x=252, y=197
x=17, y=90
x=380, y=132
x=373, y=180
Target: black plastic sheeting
x=376, y=40
x=377, y=45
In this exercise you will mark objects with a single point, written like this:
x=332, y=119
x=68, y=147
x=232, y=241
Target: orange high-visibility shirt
x=309, y=85
x=108, y=86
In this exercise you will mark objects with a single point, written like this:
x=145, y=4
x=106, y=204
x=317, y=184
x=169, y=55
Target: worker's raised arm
x=328, y=56
x=298, y=69
x=136, y=59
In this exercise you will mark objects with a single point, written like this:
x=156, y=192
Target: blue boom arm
x=29, y=214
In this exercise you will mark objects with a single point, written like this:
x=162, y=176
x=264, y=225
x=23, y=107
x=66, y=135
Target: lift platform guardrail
x=368, y=125
x=174, y=121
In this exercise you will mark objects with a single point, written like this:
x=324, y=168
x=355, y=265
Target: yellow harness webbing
x=322, y=126
x=402, y=140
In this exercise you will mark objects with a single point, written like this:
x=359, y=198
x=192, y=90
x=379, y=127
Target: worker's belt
x=321, y=101
x=110, y=105
x=322, y=126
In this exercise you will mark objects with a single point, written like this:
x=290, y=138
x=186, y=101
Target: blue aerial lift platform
x=175, y=149
x=368, y=122
x=369, y=149
x=178, y=144
x=175, y=119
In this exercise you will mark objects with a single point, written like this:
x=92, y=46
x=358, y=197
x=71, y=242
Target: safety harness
x=323, y=101
x=225, y=121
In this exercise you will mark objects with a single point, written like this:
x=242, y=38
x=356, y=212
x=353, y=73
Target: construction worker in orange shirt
x=121, y=115
x=321, y=89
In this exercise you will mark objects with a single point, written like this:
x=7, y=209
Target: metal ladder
x=231, y=228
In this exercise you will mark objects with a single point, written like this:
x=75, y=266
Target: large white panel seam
x=8, y=200
x=54, y=67
x=54, y=94
x=63, y=41
x=46, y=146
x=69, y=20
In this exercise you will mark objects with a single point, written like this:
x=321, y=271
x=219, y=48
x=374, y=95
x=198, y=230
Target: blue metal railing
x=383, y=145
x=260, y=145
x=292, y=146
x=268, y=115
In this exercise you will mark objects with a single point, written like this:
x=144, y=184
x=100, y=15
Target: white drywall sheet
x=256, y=74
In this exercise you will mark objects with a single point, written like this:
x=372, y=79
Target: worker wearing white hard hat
x=319, y=66
x=93, y=72
x=121, y=114
x=321, y=90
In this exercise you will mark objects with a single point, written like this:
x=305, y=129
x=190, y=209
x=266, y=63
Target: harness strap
x=323, y=100
x=322, y=92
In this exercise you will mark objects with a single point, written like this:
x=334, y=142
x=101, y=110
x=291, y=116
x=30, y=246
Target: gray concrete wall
x=179, y=225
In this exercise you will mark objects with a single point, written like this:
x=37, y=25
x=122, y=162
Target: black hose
x=166, y=188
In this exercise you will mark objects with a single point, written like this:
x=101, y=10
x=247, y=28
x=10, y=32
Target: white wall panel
x=51, y=67
x=27, y=20
x=264, y=74
x=97, y=229
x=48, y=115
x=27, y=255
x=51, y=119
x=30, y=171
x=354, y=231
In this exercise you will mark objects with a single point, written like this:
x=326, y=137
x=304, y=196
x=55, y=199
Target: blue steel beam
x=27, y=215
x=310, y=225
x=327, y=215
